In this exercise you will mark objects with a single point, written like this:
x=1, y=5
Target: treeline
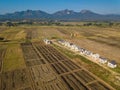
x=12, y=24
x=55, y=23
x=100, y=24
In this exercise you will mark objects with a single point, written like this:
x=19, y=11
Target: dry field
x=2, y=54
x=73, y=76
x=26, y=63
x=13, y=58
x=105, y=41
x=15, y=80
x=48, y=70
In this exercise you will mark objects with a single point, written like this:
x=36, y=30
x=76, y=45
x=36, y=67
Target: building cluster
x=94, y=56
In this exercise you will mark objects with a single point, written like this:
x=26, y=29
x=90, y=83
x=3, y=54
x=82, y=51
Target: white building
x=112, y=64
x=77, y=49
x=102, y=60
x=73, y=47
x=61, y=42
x=70, y=45
x=95, y=56
x=67, y=44
x=87, y=53
x=47, y=41
x=82, y=50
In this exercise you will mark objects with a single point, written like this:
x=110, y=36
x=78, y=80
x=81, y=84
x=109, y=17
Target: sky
x=51, y=6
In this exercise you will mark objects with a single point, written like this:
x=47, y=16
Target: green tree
x=9, y=24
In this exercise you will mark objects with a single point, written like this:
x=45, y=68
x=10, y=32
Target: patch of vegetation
x=117, y=69
x=1, y=38
x=54, y=37
x=28, y=41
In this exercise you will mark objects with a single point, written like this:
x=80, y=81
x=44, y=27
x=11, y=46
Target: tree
x=1, y=24
x=110, y=24
x=1, y=38
x=9, y=24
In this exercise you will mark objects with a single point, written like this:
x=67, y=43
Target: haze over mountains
x=70, y=15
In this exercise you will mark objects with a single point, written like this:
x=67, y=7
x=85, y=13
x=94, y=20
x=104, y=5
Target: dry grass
x=13, y=58
x=20, y=35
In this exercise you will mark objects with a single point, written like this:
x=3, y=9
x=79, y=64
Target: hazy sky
x=50, y=6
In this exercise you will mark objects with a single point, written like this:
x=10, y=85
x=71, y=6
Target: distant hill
x=84, y=15
x=29, y=14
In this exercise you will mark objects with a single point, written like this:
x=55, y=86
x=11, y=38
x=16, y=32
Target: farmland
x=58, y=72
x=13, y=58
x=2, y=53
x=27, y=63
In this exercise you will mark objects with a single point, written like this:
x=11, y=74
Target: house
x=102, y=60
x=61, y=42
x=47, y=41
x=70, y=45
x=77, y=49
x=82, y=50
x=73, y=47
x=88, y=53
x=112, y=64
x=95, y=56
x=1, y=38
x=67, y=44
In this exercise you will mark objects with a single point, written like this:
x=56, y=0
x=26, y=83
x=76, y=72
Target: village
x=82, y=51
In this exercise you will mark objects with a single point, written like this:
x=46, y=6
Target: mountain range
x=70, y=15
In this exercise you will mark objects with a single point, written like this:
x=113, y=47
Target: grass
x=116, y=69
x=13, y=58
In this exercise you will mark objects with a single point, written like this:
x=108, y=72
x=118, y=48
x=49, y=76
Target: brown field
x=67, y=69
x=15, y=80
x=26, y=63
x=60, y=73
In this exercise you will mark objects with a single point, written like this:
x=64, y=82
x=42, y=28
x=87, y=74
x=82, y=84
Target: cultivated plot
x=15, y=80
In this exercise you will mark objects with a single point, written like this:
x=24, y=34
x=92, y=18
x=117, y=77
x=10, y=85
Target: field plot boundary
x=17, y=79
x=84, y=68
x=49, y=51
x=2, y=55
x=48, y=69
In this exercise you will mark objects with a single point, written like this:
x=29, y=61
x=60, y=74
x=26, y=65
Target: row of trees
x=12, y=24
x=49, y=23
x=99, y=24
